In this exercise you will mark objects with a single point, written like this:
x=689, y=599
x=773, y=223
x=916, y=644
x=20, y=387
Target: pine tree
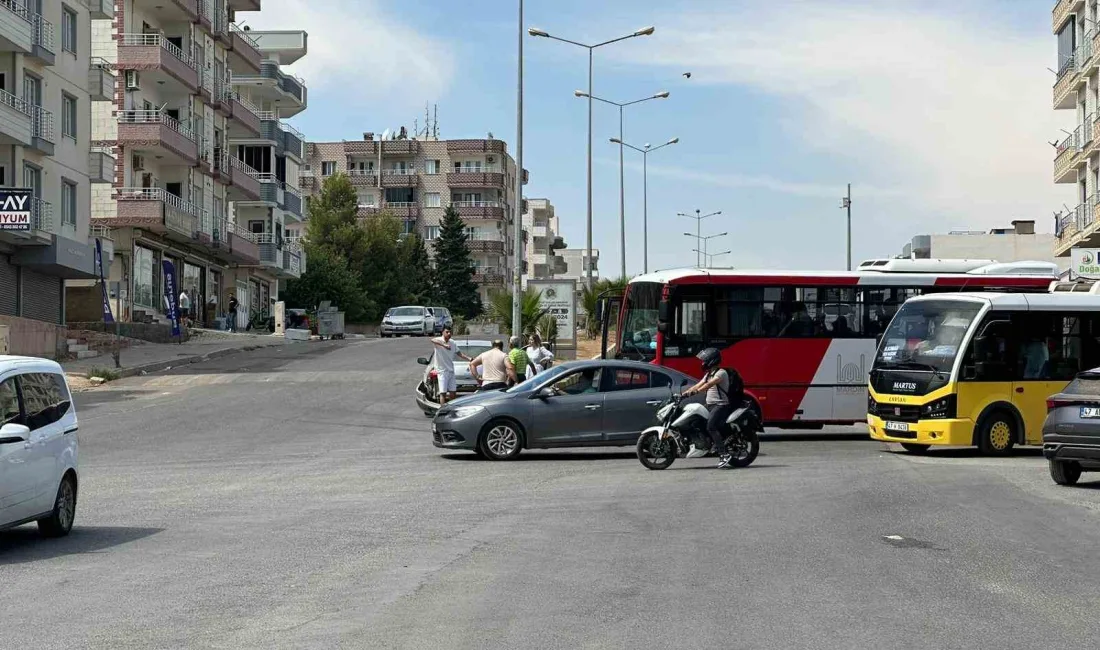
x=454, y=271
x=333, y=222
x=416, y=270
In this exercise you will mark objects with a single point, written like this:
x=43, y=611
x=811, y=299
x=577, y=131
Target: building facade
x=204, y=172
x=47, y=80
x=417, y=179
x=541, y=227
x=1020, y=242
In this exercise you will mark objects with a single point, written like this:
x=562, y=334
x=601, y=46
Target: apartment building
x=46, y=81
x=1016, y=243
x=205, y=172
x=1077, y=89
x=417, y=179
x=540, y=225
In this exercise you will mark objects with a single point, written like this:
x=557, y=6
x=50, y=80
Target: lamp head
x=535, y=31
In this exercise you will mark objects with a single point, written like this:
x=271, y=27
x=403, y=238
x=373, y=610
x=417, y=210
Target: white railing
x=408, y=171
x=242, y=165
x=266, y=116
x=292, y=131
x=479, y=235
x=157, y=194
x=252, y=108
x=41, y=123
x=476, y=169
x=292, y=245
x=476, y=204
x=264, y=237
x=17, y=8
x=157, y=39
x=234, y=29
x=43, y=31
x=362, y=172
x=102, y=232
x=155, y=117
x=15, y=102
x=401, y=204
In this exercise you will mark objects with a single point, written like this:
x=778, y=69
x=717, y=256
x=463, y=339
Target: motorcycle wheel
x=743, y=448
x=655, y=453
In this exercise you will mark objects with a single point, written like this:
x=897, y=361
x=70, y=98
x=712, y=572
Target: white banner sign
x=559, y=298
x=1085, y=263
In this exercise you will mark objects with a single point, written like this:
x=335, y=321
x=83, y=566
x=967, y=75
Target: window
x=68, y=203
x=431, y=233
x=366, y=200
x=328, y=167
x=431, y=166
x=68, y=116
x=431, y=200
x=45, y=398
x=468, y=166
x=660, y=380
x=68, y=29
x=579, y=383
x=626, y=379
x=9, y=403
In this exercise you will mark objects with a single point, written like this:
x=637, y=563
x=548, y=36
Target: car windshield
x=537, y=380
x=473, y=349
x=639, y=334
x=407, y=311
x=926, y=335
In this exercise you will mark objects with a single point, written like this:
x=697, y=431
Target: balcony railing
x=408, y=171
x=157, y=194
x=157, y=39
x=156, y=117
x=41, y=215
x=477, y=169
x=401, y=204
x=42, y=123
x=43, y=32
x=477, y=204
x=17, y=8
x=17, y=103
x=234, y=29
x=361, y=172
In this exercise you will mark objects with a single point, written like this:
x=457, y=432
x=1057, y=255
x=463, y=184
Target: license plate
x=897, y=426
x=1090, y=411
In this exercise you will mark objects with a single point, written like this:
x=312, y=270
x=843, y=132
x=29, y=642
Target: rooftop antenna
x=435, y=121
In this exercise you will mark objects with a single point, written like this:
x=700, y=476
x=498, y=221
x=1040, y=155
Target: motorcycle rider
x=724, y=391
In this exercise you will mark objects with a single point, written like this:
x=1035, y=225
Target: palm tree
x=500, y=309
x=590, y=298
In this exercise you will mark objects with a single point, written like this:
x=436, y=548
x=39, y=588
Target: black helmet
x=710, y=357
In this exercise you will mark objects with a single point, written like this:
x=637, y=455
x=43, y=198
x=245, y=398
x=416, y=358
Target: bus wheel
x=914, y=448
x=997, y=434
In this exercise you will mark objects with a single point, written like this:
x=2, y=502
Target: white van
x=38, y=446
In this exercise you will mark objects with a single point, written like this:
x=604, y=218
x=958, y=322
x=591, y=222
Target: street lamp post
x=846, y=203
x=622, y=193
x=517, y=212
x=710, y=256
x=704, y=240
x=645, y=151
x=645, y=31
x=698, y=220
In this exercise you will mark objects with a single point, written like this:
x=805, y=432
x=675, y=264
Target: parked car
x=427, y=391
x=411, y=321
x=1071, y=432
x=442, y=318
x=575, y=404
x=38, y=446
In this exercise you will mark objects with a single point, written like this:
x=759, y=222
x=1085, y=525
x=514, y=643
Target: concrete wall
x=152, y=332
x=34, y=338
x=1003, y=248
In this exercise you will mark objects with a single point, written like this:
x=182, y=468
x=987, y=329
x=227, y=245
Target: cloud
x=951, y=109
x=359, y=48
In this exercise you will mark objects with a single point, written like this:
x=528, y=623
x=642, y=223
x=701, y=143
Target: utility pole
x=846, y=203
x=517, y=213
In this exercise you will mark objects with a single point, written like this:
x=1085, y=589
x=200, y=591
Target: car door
x=572, y=415
x=631, y=399
x=45, y=405
x=17, y=480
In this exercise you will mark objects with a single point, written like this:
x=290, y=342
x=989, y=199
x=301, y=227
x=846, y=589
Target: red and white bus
x=802, y=341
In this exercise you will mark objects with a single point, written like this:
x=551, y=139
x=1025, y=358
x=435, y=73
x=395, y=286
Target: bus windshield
x=926, y=335
x=638, y=335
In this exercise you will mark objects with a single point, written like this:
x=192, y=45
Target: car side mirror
x=13, y=433
x=544, y=393
x=422, y=361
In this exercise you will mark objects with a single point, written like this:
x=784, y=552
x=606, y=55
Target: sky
x=938, y=113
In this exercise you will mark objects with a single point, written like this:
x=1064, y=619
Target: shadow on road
x=543, y=456
x=90, y=399
x=972, y=452
x=754, y=466
x=25, y=544
x=803, y=436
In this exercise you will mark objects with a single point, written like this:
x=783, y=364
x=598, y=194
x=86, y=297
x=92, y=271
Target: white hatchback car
x=38, y=446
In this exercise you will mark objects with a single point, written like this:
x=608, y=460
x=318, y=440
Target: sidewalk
x=153, y=357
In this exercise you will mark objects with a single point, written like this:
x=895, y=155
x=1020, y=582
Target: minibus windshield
x=926, y=335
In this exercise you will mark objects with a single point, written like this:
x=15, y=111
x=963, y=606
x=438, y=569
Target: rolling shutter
x=9, y=287
x=41, y=296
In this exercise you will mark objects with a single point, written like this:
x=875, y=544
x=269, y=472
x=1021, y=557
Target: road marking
x=894, y=538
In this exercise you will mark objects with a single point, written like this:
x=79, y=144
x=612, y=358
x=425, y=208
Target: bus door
x=1048, y=356
x=608, y=308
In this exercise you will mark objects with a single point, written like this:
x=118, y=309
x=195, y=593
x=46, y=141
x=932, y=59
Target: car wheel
x=914, y=448
x=501, y=440
x=997, y=434
x=1065, y=472
x=60, y=521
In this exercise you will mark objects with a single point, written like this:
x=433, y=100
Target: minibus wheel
x=997, y=433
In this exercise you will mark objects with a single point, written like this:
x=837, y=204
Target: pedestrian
x=540, y=357
x=232, y=313
x=517, y=363
x=445, y=353
x=494, y=365
x=185, y=308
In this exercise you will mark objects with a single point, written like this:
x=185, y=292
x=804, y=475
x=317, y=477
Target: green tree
x=381, y=266
x=590, y=297
x=454, y=271
x=530, y=310
x=333, y=222
x=416, y=270
x=328, y=277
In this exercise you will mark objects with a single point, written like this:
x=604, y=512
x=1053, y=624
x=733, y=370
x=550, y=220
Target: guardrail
x=155, y=117
x=157, y=39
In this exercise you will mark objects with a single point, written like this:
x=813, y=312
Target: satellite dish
x=386, y=134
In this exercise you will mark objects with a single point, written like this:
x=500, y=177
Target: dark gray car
x=1071, y=432
x=576, y=404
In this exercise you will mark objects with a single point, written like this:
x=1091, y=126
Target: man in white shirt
x=493, y=363
x=539, y=356
x=445, y=352
x=185, y=308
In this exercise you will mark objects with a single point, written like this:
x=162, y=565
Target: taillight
x=432, y=374
x=1058, y=402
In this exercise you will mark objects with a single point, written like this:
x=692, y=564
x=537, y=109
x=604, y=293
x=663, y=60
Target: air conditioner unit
x=139, y=163
x=132, y=80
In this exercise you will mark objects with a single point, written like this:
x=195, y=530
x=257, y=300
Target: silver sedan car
x=576, y=404
x=427, y=391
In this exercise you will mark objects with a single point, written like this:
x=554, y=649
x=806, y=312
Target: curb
x=158, y=366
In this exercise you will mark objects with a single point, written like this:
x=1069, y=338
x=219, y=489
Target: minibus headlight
x=941, y=409
x=872, y=405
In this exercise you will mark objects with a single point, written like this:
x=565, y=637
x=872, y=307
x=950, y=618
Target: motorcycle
x=682, y=432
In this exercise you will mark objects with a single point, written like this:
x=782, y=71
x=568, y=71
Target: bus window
x=688, y=330
x=638, y=339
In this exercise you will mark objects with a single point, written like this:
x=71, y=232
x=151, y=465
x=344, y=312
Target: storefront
x=35, y=278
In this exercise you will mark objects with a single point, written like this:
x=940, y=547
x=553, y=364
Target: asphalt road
x=292, y=499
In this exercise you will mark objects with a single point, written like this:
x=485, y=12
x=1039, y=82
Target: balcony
x=244, y=180
x=285, y=92
x=1065, y=95
x=101, y=165
x=276, y=192
x=407, y=177
x=363, y=177
x=41, y=227
x=42, y=47
x=158, y=211
x=244, y=5
x=158, y=60
x=101, y=81
x=364, y=211
x=400, y=147
x=488, y=277
x=100, y=9
x=16, y=28
x=245, y=118
x=491, y=243
x=479, y=209
x=292, y=258
x=284, y=259
x=1062, y=11
x=244, y=51
x=235, y=244
x=15, y=120
x=540, y=232
x=292, y=202
x=159, y=134
x=403, y=210
x=1064, y=158
x=287, y=139
x=476, y=177
x=42, y=133
x=475, y=146
x=293, y=141
x=1079, y=228
x=361, y=148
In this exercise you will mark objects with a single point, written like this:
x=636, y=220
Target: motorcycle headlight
x=941, y=409
x=466, y=411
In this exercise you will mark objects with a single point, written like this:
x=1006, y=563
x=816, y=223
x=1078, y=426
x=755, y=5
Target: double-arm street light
x=645, y=150
x=646, y=31
x=703, y=239
x=698, y=220
x=622, y=201
x=709, y=257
